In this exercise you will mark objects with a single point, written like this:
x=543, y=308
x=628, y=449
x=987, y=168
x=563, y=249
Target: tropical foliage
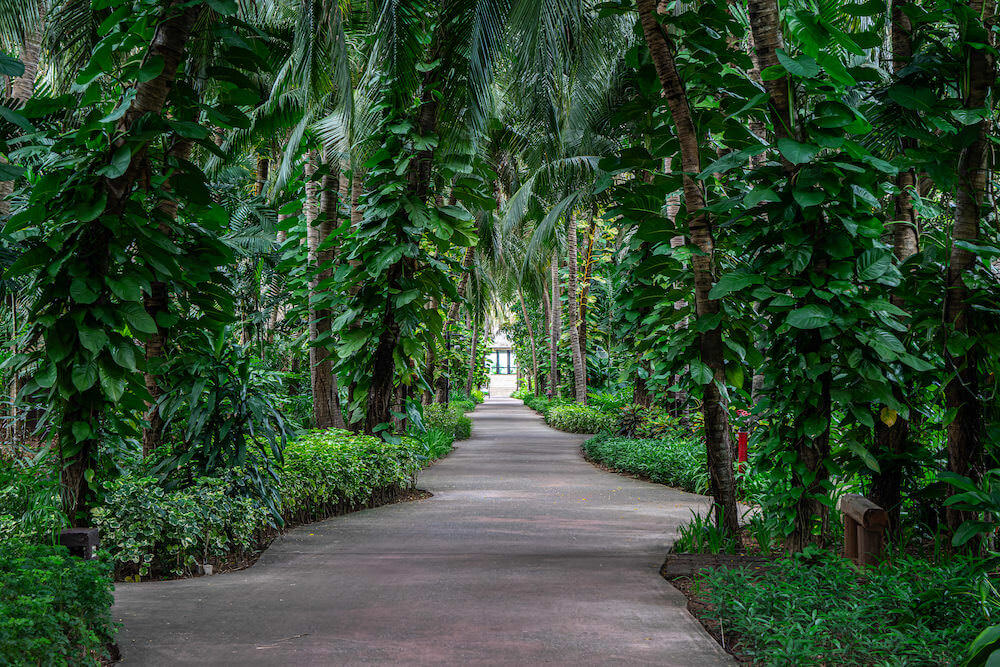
x=229, y=226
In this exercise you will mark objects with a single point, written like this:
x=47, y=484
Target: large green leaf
x=796, y=152
x=810, y=317
x=873, y=263
x=733, y=281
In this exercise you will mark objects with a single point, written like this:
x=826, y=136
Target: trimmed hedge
x=678, y=461
x=448, y=417
x=54, y=609
x=579, y=419
x=147, y=529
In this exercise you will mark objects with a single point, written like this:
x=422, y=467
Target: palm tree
x=716, y=416
x=965, y=447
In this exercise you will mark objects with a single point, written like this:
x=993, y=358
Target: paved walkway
x=526, y=554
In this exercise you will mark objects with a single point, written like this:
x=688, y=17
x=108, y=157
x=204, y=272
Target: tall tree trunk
x=418, y=185
x=579, y=374
x=157, y=305
x=965, y=447
x=710, y=342
x=891, y=438
x=263, y=169
x=168, y=43
x=430, y=362
x=474, y=356
x=588, y=263
x=765, y=25
x=320, y=219
x=545, y=384
x=555, y=329
x=531, y=340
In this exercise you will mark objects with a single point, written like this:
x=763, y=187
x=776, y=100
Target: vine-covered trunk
x=430, y=362
x=320, y=214
x=531, y=340
x=546, y=382
x=588, y=263
x=965, y=447
x=714, y=410
x=473, y=357
x=77, y=454
x=418, y=181
x=555, y=329
x=157, y=305
x=579, y=373
x=892, y=435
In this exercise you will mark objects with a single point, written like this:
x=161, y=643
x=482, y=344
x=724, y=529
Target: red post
x=742, y=437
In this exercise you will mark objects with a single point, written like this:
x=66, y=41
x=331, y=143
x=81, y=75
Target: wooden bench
x=864, y=528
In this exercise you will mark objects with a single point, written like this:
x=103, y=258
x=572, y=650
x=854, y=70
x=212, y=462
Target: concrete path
x=526, y=554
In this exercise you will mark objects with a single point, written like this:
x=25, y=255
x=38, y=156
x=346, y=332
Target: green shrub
x=477, y=396
x=464, y=406
x=147, y=529
x=607, y=401
x=448, y=417
x=433, y=444
x=543, y=404
x=820, y=609
x=54, y=609
x=678, y=461
x=333, y=466
x=578, y=419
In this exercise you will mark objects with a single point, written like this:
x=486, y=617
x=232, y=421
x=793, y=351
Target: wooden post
x=864, y=528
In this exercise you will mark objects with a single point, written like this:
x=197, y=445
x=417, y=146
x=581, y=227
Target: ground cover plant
x=54, y=609
x=677, y=461
x=822, y=609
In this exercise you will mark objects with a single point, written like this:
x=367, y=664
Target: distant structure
x=502, y=366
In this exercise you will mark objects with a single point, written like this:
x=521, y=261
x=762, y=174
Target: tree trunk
x=765, y=26
x=555, y=329
x=545, y=383
x=320, y=223
x=430, y=362
x=710, y=342
x=640, y=390
x=418, y=184
x=965, y=447
x=891, y=440
x=531, y=339
x=168, y=43
x=157, y=305
x=588, y=263
x=444, y=379
x=579, y=374
x=473, y=357
x=263, y=168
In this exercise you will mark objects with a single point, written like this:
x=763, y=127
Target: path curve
x=526, y=554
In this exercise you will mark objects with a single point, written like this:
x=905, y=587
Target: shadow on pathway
x=526, y=554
